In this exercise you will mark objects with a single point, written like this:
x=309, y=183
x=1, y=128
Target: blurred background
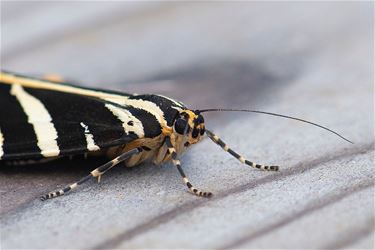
x=313, y=60
x=187, y=48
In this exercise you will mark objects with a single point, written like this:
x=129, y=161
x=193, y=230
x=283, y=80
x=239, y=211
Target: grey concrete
x=310, y=60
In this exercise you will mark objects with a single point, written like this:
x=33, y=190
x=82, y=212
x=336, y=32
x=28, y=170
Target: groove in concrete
x=106, y=20
x=310, y=208
x=354, y=236
x=189, y=206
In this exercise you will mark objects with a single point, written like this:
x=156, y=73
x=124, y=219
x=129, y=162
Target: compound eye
x=180, y=125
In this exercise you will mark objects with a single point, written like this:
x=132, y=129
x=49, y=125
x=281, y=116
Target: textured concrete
x=313, y=61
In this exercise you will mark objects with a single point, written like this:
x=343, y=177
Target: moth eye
x=195, y=133
x=180, y=125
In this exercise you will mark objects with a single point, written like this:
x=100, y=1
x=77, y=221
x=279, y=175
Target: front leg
x=177, y=163
x=225, y=147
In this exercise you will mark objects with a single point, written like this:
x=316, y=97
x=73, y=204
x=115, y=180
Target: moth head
x=190, y=124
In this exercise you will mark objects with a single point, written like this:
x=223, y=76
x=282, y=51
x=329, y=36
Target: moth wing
x=72, y=141
x=37, y=123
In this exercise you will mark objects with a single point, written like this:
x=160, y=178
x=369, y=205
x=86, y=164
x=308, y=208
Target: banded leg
x=96, y=173
x=177, y=163
x=224, y=146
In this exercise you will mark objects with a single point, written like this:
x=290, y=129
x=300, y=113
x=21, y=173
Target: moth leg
x=177, y=163
x=96, y=173
x=225, y=147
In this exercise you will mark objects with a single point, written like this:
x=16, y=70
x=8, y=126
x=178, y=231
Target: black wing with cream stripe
x=40, y=118
x=37, y=123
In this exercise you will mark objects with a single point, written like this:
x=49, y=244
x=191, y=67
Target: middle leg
x=177, y=163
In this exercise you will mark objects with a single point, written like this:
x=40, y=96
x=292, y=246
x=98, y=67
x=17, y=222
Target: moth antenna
x=274, y=114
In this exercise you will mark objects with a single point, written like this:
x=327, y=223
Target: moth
x=45, y=120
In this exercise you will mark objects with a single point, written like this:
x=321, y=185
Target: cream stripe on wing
x=1, y=144
x=119, y=99
x=179, y=104
x=141, y=104
x=33, y=83
x=91, y=145
x=41, y=120
x=126, y=117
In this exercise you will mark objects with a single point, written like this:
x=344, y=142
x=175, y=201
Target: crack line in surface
x=313, y=206
x=89, y=26
x=354, y=236
x=191, y=205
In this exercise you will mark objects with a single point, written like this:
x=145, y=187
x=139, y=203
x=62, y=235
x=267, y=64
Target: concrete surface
x=310, y=60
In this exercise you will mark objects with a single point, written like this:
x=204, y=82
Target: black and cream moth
x=43, y=119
